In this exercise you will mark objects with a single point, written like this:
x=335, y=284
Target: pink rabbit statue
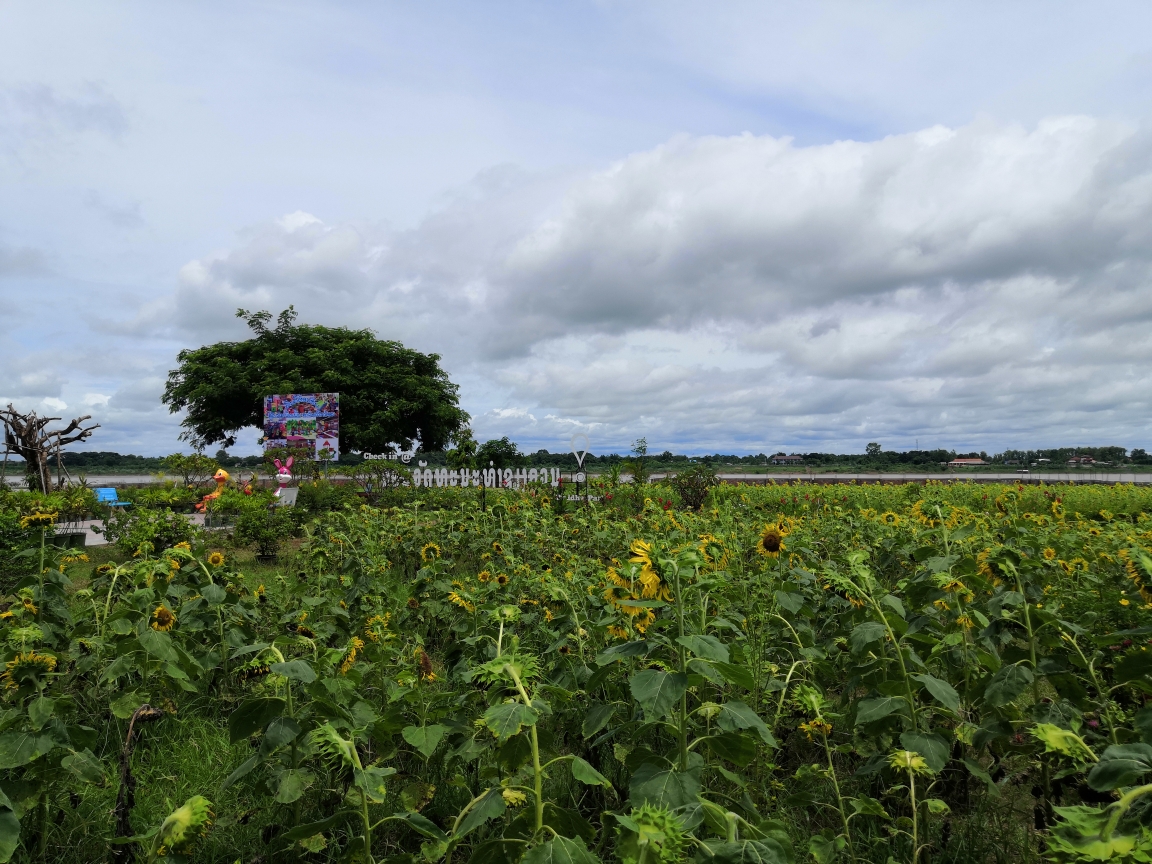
x=283, y=475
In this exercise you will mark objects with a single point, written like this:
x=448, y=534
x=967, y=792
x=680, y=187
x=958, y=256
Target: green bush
x=324, y=495
x=130, y=528
x=693, y=485
x=265, y=528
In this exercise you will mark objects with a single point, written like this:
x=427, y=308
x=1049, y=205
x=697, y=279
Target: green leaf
x=243, y=770
x=85, y=765
x=977, y=771
x=507, y=719
x=1143, y=723
x=650, y=783
x=1008, y=683
x=790, y=601
x=588, y=775
x=371, y=781
x=214, y=594
x=822, y=849
x=490, y=806
x=657, y=691
x=315, y=843
x=560, y=850
x=158, y=644
x=865, y=634
x=311, y=829
x=1078, y=836
x=424, y=738
x=1120, y=765
x=736, y=715
x=298, y=670
x=762, y=851
x=737, y=675
x=118, y=668
x=696, y=666
x=878, y=707
x=596, y=718
x=864, y=805
x=40, y=711
x=20, y=748
x=1133, y=666
x=9, y=834
x=733, y=746
x=893, y=602
x=1063, y=741
x=126, y=705
x=251, y=716
x=248, y=649
x=707, y=647
x=933, y=748
x=423, y=825
x=621, y=651
x=293, y=783
x=281, y=731
x=941, y=691
x=496, y=851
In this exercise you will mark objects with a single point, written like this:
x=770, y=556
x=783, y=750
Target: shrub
x=265, y=528
x=131, y=527
x=324, y=495
x=693, y=485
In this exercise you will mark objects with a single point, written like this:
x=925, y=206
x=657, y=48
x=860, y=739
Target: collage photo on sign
x=309, y=421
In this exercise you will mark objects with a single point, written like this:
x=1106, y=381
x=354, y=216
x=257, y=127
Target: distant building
x=966, y=463
x=781, y=459
x=1081, y=460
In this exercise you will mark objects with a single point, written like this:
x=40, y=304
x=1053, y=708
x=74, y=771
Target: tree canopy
x=500, y=452
x=390, y=396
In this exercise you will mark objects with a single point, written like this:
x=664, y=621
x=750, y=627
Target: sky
x=739, y=227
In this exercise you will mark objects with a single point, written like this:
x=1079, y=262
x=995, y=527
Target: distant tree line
x=504, y=453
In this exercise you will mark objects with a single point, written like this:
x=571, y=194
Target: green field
x=941, y=672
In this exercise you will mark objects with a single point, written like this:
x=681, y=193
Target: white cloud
x=993, y=280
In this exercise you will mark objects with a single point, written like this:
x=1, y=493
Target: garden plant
x=672, y=672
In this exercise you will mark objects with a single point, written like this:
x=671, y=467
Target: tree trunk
x=25, y=436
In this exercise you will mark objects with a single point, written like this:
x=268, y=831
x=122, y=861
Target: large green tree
x=390, y=396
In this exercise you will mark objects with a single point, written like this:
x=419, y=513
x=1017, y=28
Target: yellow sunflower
x=374, y=627
x=38, y=519
x=163, y=619
x=429, y=553
x=216, y=559
x=349, y=659
x=24, y=665
x=890, y=518
x=1049, y=554
x=771, y=541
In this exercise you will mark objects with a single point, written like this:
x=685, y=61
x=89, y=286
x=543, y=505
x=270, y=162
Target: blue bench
x=107, y=496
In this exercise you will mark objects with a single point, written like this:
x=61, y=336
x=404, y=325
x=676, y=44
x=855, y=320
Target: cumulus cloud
x=985, y=283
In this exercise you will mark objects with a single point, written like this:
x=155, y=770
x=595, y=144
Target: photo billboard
x=304, y=420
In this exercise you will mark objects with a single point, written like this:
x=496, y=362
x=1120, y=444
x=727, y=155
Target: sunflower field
x=790, y=673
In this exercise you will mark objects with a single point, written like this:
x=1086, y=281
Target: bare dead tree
x=26, y=436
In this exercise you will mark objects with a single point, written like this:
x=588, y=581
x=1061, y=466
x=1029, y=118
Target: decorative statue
x=221, y=478
x=283, y=475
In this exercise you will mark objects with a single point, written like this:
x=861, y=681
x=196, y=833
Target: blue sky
x=736, y=227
